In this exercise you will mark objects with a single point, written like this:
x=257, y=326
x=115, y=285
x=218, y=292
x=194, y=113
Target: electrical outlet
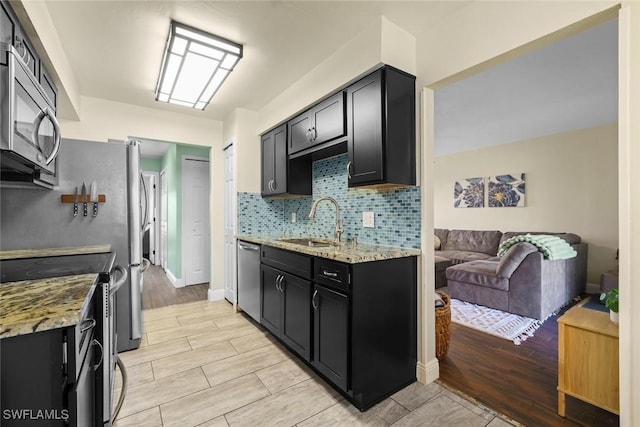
x=368, y=220
x=293, y=217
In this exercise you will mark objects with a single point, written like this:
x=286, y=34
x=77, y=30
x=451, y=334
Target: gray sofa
x=521, y=282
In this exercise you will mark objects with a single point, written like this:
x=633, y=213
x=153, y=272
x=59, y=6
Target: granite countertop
x=363, y=252
x=40, y=305
x=39, y=253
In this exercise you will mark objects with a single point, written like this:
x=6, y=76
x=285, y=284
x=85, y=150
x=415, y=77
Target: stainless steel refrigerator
x=38, y=219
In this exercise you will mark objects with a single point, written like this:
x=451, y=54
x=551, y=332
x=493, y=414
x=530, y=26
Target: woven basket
x=443, y=326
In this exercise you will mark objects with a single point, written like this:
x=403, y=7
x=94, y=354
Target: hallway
x=158, y=291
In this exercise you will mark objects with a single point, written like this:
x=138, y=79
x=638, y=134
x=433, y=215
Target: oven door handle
x=56, y=130
x=96, y=342
x=121, y=281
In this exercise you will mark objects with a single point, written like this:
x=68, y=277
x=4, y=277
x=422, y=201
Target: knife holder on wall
x=70, y=198
x=85, y=200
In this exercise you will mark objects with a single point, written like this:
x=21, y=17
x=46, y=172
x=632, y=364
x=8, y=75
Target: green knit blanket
x=552, y=247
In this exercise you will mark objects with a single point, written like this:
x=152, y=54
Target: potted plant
x=611, y=302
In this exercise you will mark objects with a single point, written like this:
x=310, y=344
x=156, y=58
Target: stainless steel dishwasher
x=249, y=279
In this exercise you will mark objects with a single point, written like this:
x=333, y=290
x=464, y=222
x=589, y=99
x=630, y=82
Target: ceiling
x=569, y=85
x=115, y=49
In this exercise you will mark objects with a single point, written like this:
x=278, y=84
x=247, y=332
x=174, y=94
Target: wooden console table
x=588, y=359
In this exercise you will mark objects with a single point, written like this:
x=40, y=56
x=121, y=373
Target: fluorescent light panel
x=194, y=66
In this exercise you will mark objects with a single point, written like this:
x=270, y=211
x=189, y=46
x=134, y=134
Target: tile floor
x=201, y=364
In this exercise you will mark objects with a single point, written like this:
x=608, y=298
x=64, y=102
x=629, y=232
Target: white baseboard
x=177, y=283
x=215, y=294
x=592, y=288
x=429, y=372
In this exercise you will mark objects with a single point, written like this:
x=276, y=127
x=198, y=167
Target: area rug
x=495, y=322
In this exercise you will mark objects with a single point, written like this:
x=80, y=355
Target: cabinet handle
x=278, y=281
x=314, y=133
x=96, y=342
x=313, y=300
x=273, y=185
x=329, y=273
x=349, y=169
x=282, y=283
x=309, y=137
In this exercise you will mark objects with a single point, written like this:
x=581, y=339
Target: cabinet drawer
x=332, y=273
x=287, y=261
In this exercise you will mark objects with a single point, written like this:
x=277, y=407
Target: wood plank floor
x=159, y=292
x=519, y=381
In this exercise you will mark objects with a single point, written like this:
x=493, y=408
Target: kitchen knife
x=75, y=202
x=84, y=199
x=94, y=197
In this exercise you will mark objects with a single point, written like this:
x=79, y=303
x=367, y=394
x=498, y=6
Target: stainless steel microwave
x=29, y=131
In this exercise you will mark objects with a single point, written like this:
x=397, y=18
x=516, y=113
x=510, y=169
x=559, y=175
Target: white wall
x=571, y=186
x=101, y=120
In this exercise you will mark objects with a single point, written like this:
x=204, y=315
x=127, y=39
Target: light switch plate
x=293, y=217
x=368, y=220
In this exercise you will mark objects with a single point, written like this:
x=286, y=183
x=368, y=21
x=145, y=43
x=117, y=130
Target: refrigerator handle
x=122, y=280
x=136, y=302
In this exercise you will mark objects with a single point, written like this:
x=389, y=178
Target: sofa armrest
x=513, y=258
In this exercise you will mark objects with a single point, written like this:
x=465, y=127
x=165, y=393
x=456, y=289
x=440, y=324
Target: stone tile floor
x=202, y=364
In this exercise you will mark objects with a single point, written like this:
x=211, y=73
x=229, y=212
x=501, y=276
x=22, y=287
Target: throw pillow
x=512, y=259
x=436, y=242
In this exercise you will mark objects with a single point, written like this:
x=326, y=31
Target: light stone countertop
x=363, y=252
x=40, y=305
x=39, y=253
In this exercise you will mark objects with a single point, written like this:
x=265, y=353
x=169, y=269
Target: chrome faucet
x=338, y=231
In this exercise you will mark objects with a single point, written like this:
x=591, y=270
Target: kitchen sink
x=316, y=243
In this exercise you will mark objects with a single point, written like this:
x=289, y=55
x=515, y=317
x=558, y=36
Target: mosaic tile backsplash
x=397, y=211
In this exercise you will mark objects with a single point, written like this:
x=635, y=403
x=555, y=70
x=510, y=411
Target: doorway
x=151, y=226
x=195, y=220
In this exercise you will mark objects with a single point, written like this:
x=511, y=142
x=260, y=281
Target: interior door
x=195, y=220
x=229, y=227
x=149, y=226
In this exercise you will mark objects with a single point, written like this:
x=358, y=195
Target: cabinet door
x=8, y=23
x=328, y=119
x=300, y=132
x=280, y=185
x=271, y=303
x=267, y=143
x=296, y=326
x=330, y=334
x=364, y=122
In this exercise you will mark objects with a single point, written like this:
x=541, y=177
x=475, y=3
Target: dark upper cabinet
x=323, y=122
x=381, y=129
x=330, y=334
x=11, y=32
x=281, y=176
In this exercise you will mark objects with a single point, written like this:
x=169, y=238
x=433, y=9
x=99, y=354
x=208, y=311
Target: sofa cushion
x=462, y=256
x=436, y=242
x=442, y=234
x=512, y=259
x=473, y=240
x=481, y=273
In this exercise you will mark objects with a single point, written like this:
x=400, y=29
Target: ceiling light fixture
x=194, y=66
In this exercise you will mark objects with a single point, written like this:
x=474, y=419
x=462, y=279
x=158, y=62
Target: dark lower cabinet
x=356, y=325
x=330, y=335
x=49, y=377
x=286, y=309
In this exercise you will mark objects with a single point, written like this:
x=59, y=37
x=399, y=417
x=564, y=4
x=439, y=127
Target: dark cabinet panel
x=279, y=174
x=330, y=335
x=296, y=330
x=381, y=129
x=364, y=115
x=270, y=310
x=286, y=308
x=322, y=123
